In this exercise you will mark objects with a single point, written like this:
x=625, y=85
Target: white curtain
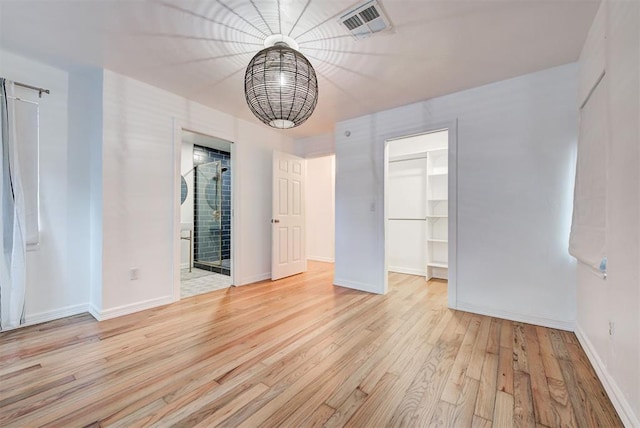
x=588, y=228
x=13, y=230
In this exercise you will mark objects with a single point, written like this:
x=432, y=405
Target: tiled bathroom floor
x=185, y=275
x=200, y=281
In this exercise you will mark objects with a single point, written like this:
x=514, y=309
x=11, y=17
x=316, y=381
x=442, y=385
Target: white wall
x=613, y=45
x=85, y=181
x=139, y=184
x=516, y=147
x=321, y=209
x=57, y=273
x=315, y=146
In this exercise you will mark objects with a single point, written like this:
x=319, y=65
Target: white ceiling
x=199, y=49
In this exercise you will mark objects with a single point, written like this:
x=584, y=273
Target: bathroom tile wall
x=212, y=232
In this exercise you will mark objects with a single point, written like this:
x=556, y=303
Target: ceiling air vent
x=365, y=19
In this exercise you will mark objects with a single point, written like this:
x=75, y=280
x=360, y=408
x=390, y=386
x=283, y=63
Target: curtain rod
x=35, y=88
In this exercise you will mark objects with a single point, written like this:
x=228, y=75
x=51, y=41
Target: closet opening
x=418, y=204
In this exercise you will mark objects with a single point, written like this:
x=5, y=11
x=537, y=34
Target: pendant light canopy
x=281, y=87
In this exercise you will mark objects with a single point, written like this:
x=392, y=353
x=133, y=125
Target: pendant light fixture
x=280, y=84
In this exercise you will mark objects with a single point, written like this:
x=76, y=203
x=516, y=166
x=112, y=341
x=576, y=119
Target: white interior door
x=288, y=221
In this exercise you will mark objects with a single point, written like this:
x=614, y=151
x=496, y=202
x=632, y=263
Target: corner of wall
x=253, y=279
x=102, y=315
x=85, y=153
x=361, y=286
x=621, y=404
x=568, y=325
x=55, y=314
x=315, y=146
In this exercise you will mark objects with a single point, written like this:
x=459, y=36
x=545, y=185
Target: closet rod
x=35, y=88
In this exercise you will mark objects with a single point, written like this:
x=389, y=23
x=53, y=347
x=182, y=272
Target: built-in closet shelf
x=437, y=200
x=438, y=264
x=409, y=157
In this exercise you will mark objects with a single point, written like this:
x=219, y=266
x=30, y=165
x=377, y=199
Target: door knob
x=275, y=220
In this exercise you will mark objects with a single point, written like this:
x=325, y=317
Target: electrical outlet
x=612, y=328
x=134, y=274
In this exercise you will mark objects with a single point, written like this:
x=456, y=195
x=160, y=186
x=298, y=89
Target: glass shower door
x=208, y=215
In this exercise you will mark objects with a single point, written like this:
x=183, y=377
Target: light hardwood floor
x=300, y=352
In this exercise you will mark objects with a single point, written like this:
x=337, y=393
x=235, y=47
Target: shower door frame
x=203, y=129
x=197, y=236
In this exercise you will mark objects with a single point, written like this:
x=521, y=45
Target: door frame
x=333, y=202
x=452, y=128
x=178, y=127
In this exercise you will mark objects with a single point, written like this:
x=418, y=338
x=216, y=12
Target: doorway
x=420, y=177
x=205, y=214
x=320, y=202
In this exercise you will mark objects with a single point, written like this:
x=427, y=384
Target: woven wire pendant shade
x=281, y=87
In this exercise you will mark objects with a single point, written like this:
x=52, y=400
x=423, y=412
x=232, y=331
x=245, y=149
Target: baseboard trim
x=407, y=271
x=321, y=259
x=93, y=311
x=512, y=316
x=129, y=309
x=361, y=286
x=622, y=406
x=55, y=314
x=253, y=279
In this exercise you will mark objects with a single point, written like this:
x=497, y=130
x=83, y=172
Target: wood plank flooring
x=300, y=352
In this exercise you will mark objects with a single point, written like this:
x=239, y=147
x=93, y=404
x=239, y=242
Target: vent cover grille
x=365, y=19
x=369, y=14
x=353, y=22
